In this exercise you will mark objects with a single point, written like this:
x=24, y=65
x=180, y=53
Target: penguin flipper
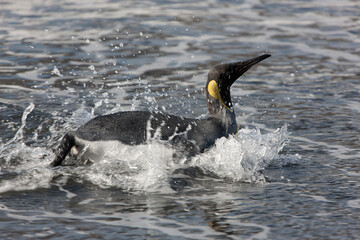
x=67, y=142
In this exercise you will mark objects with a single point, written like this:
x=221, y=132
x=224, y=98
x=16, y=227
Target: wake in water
x=239, y=158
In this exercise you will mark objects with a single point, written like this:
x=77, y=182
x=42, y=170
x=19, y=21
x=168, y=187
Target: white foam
x=146, y=167
x=149, y=166
x=29, y=180
x=243, y=156
x=23, y=161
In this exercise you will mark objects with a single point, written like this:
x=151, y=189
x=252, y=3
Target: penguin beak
x=235, y=70
x=222, y=76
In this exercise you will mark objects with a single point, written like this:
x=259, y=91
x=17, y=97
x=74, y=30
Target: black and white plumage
x=137, y=127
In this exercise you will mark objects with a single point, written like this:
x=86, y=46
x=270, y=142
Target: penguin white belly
x=86, y=151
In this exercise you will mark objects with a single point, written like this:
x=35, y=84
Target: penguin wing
x=134, y=127
x=126, y=127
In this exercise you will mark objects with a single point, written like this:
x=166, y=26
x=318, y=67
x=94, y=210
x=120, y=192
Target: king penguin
x=137, y=127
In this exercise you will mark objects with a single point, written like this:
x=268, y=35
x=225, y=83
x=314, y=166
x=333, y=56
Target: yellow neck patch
x=214, y=91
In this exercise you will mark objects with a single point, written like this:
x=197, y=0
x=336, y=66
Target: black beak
x=226, y=74
x=235, y=70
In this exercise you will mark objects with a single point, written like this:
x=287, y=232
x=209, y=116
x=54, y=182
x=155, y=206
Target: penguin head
x=220, y=79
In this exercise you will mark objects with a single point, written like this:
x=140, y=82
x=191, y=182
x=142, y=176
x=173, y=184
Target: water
x=292, y=171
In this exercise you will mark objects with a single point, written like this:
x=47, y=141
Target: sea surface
x=291, y=172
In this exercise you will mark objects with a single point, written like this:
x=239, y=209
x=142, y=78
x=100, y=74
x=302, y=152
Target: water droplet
x=56, y=71
x=92, y=68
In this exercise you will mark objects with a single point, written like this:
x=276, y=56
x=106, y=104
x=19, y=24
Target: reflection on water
x=64, y=62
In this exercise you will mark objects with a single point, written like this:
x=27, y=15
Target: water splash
x=241, y=157
x=21, y=169
x=142, y=167
x=20, y=134
x=18, y=137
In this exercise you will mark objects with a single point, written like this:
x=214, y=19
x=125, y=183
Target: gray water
x=292, y=171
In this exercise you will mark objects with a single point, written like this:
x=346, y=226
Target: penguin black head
x=220, y=79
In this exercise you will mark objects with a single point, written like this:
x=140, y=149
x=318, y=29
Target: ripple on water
x=354, y=203
x=122, y=55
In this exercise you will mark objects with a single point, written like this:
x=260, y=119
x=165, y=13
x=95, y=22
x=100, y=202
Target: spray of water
x=20, y=168
x=241, y=157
